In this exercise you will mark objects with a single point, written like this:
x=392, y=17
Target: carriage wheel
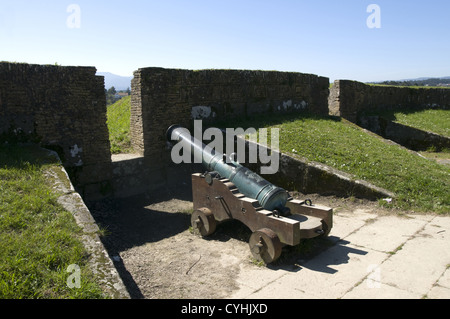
x=265, y=245
x=203, y=221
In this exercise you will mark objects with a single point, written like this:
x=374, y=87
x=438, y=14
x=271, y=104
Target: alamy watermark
x=374, y=278
x=74, y=279
x=258, y=149
x=374, y=19
x=74, y=19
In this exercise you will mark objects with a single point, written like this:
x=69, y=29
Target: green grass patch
x=118, y=115
x=436, y=121
x=420, y=184
x=38, y=238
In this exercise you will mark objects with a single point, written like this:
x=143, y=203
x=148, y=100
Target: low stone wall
x=410, y=137
x=308, y=177
x=101, y=264
x=134, y=175
x=351, y=99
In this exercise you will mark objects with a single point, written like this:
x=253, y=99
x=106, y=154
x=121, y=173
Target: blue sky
x=325, y=37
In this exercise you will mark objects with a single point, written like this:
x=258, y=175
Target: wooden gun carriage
x=229, y=190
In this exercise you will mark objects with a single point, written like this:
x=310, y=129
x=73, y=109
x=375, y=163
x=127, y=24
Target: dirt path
x=157, y=255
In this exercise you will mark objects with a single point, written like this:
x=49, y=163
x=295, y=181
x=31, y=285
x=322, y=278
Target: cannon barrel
x=250, y=184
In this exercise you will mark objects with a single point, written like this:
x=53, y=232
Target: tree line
x=425, y=82
x=111, y=95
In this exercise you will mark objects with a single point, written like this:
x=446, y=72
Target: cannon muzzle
x=250, y=184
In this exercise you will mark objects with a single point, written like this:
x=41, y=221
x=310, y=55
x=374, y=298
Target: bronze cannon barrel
x=250, y=184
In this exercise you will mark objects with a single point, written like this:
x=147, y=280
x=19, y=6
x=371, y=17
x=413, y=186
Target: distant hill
x=120, y=83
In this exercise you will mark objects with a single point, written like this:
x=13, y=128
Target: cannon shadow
x=139, y=220
x=317, y=254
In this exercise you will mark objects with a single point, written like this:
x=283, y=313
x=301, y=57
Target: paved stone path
x=372, y=256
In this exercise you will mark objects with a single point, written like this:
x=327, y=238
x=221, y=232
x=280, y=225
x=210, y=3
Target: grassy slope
x=38, y=238
x=436, y=121
x=420, y=184
x=118, y=115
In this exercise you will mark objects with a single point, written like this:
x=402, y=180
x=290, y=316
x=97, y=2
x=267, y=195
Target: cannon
x=228, y=190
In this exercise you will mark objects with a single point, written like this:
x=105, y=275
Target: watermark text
x=74, y=19
x=374, y=278
x=374, y=19
x=258, y=149
x=74, y=280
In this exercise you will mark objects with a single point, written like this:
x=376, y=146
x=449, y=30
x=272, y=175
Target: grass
x=420, y=184
x=118, y=115
x=436, y=121
x=38, y=238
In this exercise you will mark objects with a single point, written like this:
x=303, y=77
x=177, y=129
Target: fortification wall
x=161, y=97
x=350, y=99
x=62, y=108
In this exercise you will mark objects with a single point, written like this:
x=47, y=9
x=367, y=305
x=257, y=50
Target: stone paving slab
x=328, y=275
x=422, y=260
x=386, y=233
x=346, y=223
x=369, y=289
x=444, y=281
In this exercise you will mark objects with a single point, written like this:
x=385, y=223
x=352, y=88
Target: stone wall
x=64, y=109
x=162, y=97
x=350, y=99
